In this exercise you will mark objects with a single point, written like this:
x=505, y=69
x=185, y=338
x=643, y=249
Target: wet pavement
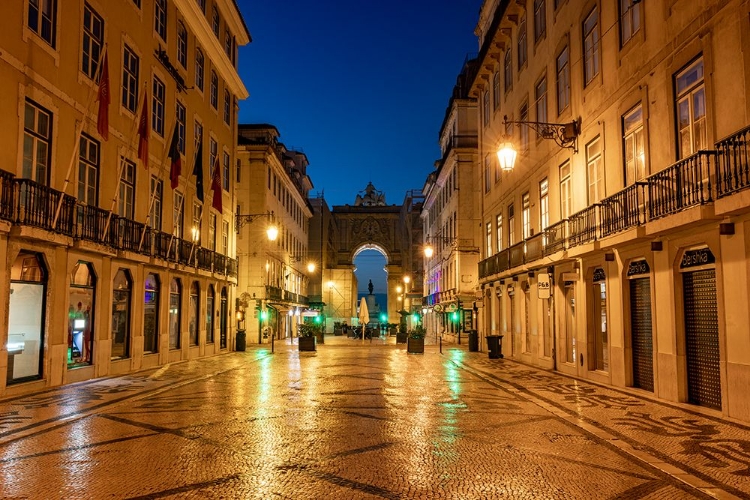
x=363, y=420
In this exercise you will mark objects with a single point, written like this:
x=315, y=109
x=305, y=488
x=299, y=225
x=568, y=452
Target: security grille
x=702, y=338
x=640, y=320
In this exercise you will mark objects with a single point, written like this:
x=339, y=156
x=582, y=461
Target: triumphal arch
x=371, y=224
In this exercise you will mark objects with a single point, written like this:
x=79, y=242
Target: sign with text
x=543, y=286
x=638, y=267
x=695, y=258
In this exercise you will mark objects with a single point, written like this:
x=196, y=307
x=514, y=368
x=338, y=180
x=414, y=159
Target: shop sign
x=438, y=308
x=695, y=258
x=543, y=286
x=637, y=267
x=452, y=307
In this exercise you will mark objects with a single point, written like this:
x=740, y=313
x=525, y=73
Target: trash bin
x=473, y=341
x=240, y=341
x=494, y=346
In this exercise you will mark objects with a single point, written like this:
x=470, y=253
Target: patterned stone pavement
x=358, y=420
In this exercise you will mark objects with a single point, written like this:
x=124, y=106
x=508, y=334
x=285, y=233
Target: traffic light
x=383, y=318
x=263, y=315
x=454, y=316
x=317, y=320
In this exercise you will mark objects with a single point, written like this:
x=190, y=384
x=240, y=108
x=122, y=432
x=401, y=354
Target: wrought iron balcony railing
x=733, y=168
x=684, y=184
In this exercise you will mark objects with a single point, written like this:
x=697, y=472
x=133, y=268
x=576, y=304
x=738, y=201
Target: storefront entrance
x=640, y=325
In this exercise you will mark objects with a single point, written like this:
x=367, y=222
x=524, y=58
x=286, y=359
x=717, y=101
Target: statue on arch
x=370, y=287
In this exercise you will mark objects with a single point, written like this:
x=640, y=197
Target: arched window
x=210, y=301
x=195, y=292
x=28, y=287
x=223, y=320
x=81, y=315
x=175, y=294
x=121, y=291
x=151, y=315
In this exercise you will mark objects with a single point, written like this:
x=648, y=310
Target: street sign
x=543, y=286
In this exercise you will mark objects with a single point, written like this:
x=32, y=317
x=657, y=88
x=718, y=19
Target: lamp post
x=565, y=135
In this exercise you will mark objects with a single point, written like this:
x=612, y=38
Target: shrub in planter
x=415, y=340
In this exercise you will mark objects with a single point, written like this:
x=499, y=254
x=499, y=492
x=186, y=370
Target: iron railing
x=583, y=226
x=623, y=210
x=684, y=184
x=555, y=237
x=733, y=167
x=7, y=198
x=38, y=204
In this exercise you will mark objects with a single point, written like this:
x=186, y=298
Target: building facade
x=451, y=216
x=120, y=121
x=273, y=275
x=623, y=243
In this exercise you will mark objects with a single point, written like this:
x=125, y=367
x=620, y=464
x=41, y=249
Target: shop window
x=151, y=315
x=81, y=316
x=223, y=319
x=121, y=294
x=26, y=318
x=210, y=311
x=175, y=296
x=193, y=312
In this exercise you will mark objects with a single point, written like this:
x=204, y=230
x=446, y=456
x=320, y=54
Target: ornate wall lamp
x=429, y=250
x=565, y=135
x=272, y=231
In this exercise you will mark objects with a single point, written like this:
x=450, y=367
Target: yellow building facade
x=617, y=246
x=114, y=262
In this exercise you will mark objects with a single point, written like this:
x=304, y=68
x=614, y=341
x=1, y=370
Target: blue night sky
x=360, y=86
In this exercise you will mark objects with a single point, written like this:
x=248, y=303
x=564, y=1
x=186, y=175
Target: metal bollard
x=272, y=338
x=441, y=344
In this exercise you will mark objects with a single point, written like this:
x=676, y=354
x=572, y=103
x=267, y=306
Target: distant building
x=272, y=188
x=110, y=270
x=618, y=245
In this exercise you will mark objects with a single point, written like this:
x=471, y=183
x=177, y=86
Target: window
x=690, y=89
x=93, y=41
x=595, y=170
x=178, y=209
x=225, y=237
x=508, y=70
x=524, y=129
x=212, y=232
x=227, y=107
x=130, y=65
x=630, y=20
x=499, y=230
x=540, y=103
x=194, y=307
x=489, y=239
x=81, y=316
x=599, y=303
x=214, y=90
x=199, y=60
x=88, y=170
x=43, y=19
x=496, y=89
x=210, y=315
x=198, y=134
x=175, y=295
x=180, y=112
x=225, y=172
x=126, y=199
x=160, y=18
x=633, y=143
x=151, y=315
x=157, y=190
x=526, y=215
x=511, y=224
x=563, y=81
x=197, y=227
x=487, y=175
x=565, y=190
x=121, y=294
x=228, y=44
x=591, y=46
x=544, y=204
x=37, y=142
x=486, y=107
x=202, y=5
x=215, y=21
x=157, y=107
x=523, y=51
x=213, y=151
x=540, y=19
x=182, y=41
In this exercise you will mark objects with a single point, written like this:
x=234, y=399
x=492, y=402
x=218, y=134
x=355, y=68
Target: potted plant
x=401, y=335
x=338, y=328
x=415, y=340
x=306, y=338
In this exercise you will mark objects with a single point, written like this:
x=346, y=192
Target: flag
x=198, y=172
x=143, y=132
x=102, y=123
x=175, y=167
x=216, y=185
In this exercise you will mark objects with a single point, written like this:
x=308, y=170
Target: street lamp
x=272, y=232
x=429, y=250
x=565, y=135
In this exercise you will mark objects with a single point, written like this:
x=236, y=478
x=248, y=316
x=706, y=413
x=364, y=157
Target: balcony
x=684, y=184
x=583, y=226
x=733, y=168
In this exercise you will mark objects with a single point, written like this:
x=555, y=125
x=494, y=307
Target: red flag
x=175, y=167
x=216, y=185
x=144, y=132
x=102, y=123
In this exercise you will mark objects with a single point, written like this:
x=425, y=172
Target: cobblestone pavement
x=362, y=420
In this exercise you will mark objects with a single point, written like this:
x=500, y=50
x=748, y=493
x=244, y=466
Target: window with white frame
x=508, y=71
x=160, y=18
x=42, y=20
x=199, y=64
x=93, y=41
x=633, y=145
x=178, y=211
x=563, y=81
x=214, y=93
x=88, y=170
x=591, y=46
x=157, y=106
x=227, y=107
x=487, y=175
x=499, y=231
x=180, y=115
x=126, y=199
x=544, y=204
x=540, y=100
x=130, y=70
x=215, y=21
x=212, y=232
x=37, y=142
x=524, y=129
x=157, y=193
x=526, y=215
x=213, y=152
x=511, y=225
x=496, y=89
x=489, y=239
x=182, y=41
x=565, y=191
x=595, y=170
x=225, y=172
x=196, y=228
x=540, y=19
x=225, y=237
x=690, y=88
x=523, y=51
x=197, y=134
x=486, y=107
x=630, y=19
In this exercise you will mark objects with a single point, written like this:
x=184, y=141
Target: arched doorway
x=81, y=315
x=370, y=268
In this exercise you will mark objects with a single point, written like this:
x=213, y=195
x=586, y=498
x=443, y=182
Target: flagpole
x=79, y=131
x=195, y=158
